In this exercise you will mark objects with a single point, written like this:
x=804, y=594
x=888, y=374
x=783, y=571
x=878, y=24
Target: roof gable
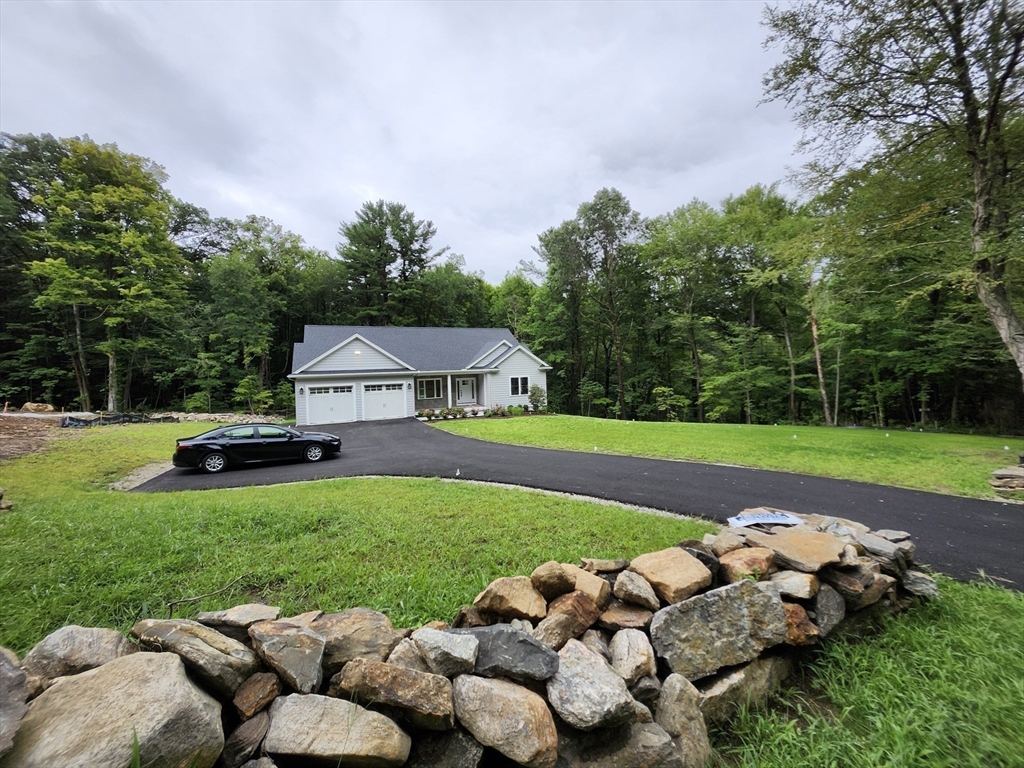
x=419, y=349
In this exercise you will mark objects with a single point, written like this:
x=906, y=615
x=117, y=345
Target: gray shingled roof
x=425, y=349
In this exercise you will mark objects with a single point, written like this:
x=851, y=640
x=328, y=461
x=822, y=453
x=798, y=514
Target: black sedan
x=247, y=443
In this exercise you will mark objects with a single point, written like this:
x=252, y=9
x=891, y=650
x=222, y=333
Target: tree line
x=890, y=295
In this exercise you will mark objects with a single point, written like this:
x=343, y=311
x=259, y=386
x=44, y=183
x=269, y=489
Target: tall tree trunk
x=111, y=382
x=697, y=383
x=1003, y=316
x=792, y=365
x=821, y=369
x=81, y=369
x=835, y=411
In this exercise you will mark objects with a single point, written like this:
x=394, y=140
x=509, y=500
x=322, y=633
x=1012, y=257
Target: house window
x=520, y=385
x=429, y=389
x=319, y=390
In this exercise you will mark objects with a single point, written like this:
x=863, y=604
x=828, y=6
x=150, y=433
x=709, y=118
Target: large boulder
x=13, y=695
x=674, y=573
x=511, y=653
x=223, y=663
x=509, y=718
x=292, y=651
x=358, y=633
x=726, y=626
x=635, y=745
x=586, y=692
x=317, y=728
x=71, y=650
x=425, y=698
x=91, y=719
x=512, y=597
x=750, y=684
x=678, y=712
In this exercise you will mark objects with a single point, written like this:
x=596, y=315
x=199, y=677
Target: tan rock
x=508, y=718
x=595, y=565
x=750, y=684
x=304, y=619
x=71, y=650
x=291, y=650
x=799, y=628
x=674, y=573
x=802, y=586
x=860, y=586
x=568, y=616
x=619, y=615
x=599, y=590
x=358, y=633
x=426, y=699
x=556, y=630
x=551, y=580
x=745, y=563
x=256, y=693
x=407, y=654
x=512, y=597
x=724, y=543
x=800, y=550
x=679, y=714
x=470, y=616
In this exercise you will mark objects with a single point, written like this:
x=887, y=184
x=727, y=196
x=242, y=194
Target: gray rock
x=509, y=718
x=13, y=695
x=646, y=689
x=752, y=683
x=446, y=653
x=292, y=651
x=90, y=719
x=632, y=655
x=634, y=589
x=829, y=609
x=235, y=622
x=720, y=628
x=245, y=741
x=596, y=565
x=678, y=712
x=424, y=698
x=358, y=633
x=221, y=662
x=407, y=654
x=637, y=745
x=451, y=749
x=512, y=653
x=320, y=728
x=920, y=584
x=889, y=555
x=586, y=692
x=522, y=624
x=724, y=543
x=894, y=536
x=72, y=650
x=597, y=641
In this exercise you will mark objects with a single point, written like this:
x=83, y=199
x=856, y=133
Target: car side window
x=273, y=432
x=240, y=433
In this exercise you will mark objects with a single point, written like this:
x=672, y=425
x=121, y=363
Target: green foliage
x=538, y=397
x=515, y=410
x=249, y=394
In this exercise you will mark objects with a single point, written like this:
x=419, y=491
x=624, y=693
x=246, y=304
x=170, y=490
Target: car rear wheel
x=213, y=462
x=313, y=452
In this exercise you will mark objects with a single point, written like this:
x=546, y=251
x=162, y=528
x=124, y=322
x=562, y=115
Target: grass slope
x=939, y=686
x=944, y=463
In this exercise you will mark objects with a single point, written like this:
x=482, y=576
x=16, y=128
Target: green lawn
x=940, y=686
x=944, y=463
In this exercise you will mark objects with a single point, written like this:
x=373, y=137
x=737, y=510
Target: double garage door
x=330, y=405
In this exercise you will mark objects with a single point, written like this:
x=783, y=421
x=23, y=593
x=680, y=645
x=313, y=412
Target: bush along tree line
x=890, y=295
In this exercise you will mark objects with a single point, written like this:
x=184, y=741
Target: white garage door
x=330, y=405
x=383, y=401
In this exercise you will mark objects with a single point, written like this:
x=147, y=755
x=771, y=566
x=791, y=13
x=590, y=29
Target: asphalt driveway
x=960, y=537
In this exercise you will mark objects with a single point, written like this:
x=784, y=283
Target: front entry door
x=465, y=391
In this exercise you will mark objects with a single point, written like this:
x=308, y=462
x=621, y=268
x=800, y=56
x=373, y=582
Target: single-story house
x=359, y=373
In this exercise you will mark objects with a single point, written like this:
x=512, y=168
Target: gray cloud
x=495, y=120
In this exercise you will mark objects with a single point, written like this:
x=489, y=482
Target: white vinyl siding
x=356, y=355
x=517, y=365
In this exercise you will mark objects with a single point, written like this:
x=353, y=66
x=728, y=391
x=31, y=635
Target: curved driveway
x=959, y=537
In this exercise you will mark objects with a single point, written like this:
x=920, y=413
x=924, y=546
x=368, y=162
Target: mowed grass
x=73, y=552
x=944, y=463
x=942, y=685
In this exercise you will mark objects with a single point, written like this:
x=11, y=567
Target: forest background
x=890, y=294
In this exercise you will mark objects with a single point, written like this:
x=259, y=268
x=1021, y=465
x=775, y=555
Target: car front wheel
x=313, y=452
x=213, y=462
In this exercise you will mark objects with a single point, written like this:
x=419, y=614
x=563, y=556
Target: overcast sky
x=494, y=120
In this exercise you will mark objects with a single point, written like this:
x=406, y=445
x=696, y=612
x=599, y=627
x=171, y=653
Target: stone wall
x=605, y=664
